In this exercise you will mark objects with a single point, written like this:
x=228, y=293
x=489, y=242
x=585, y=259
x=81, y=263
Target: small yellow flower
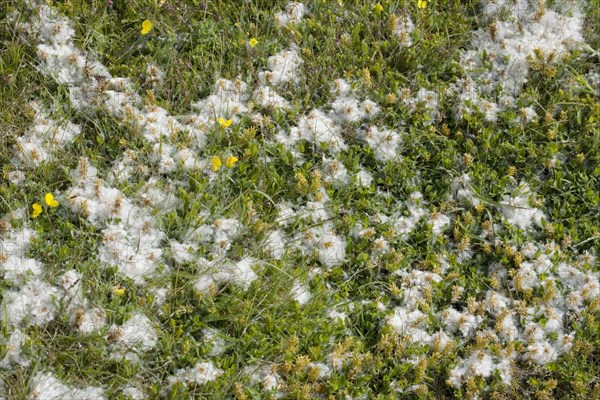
x=216, y=163
x=224, y=123
x=118, y=290
x=378, y=8
x=146, y=27
x=50, y=200
x=253, y=42
x=230, y=162
x=421, y=4
x=37, y=210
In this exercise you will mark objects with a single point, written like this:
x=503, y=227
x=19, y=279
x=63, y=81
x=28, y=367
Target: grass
x=196, y=42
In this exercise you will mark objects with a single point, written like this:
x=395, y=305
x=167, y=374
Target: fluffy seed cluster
x=517, y=32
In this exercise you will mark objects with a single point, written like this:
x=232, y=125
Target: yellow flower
x=421, y=4
x=37, y=210
x=118, y=290
x=216, y=163
x=378, y=8
x=146, y=27
x=253, y=42
x=50, y=200
x=224, y=123
x=230, y=162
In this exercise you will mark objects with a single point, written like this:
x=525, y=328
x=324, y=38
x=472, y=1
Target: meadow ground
x=329, y=199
